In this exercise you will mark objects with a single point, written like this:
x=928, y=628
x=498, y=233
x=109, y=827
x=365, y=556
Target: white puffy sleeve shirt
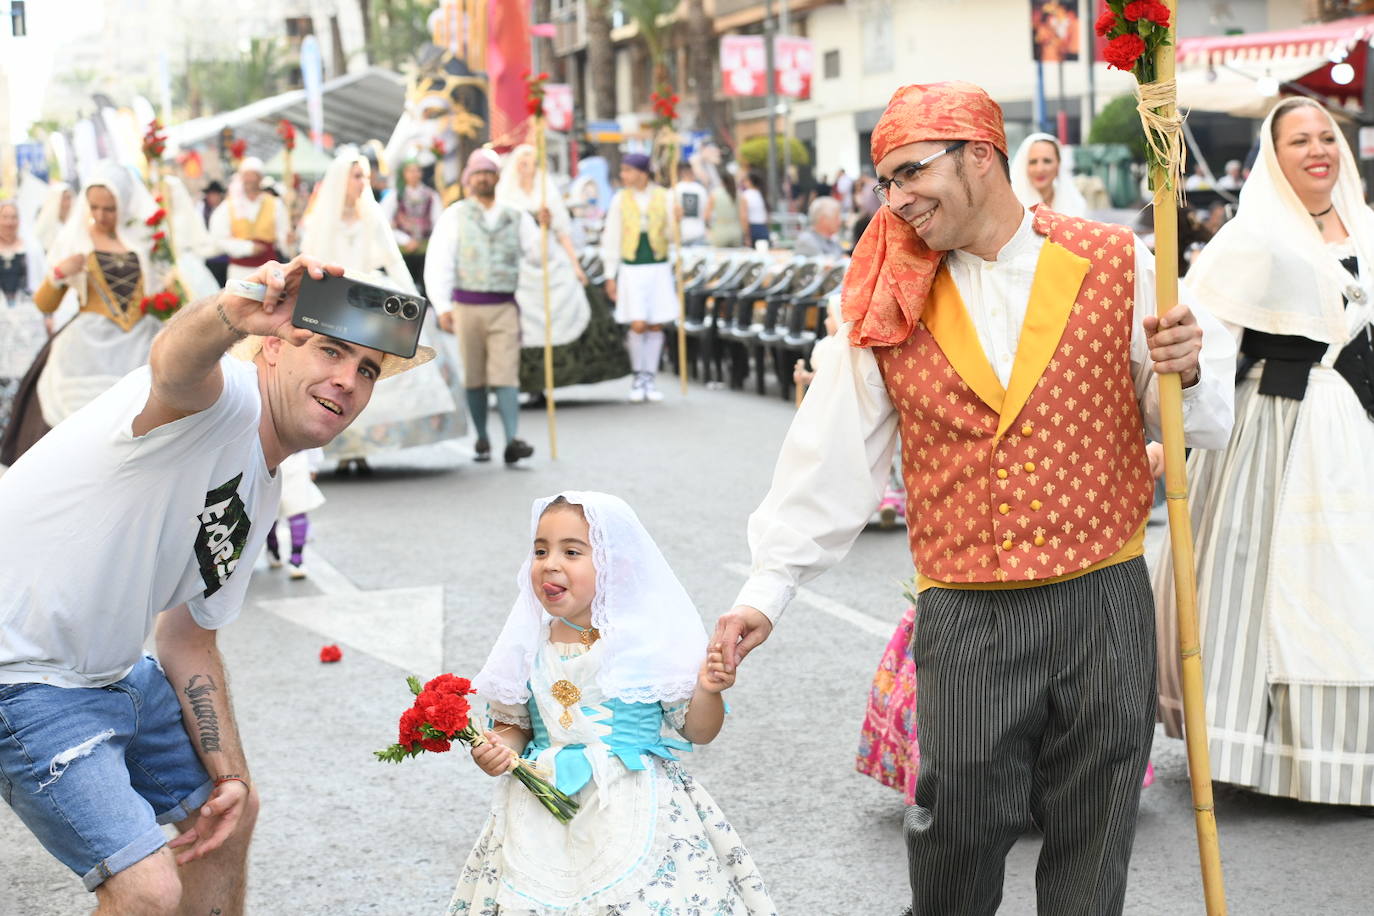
x=836, y=456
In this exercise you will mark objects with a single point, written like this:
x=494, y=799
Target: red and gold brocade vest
x=1047, y=478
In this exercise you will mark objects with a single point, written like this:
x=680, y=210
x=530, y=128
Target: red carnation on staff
x=158, y=216
x=1105, y=23
x=1123, y=51
x=1149, y=10
x=287, y=131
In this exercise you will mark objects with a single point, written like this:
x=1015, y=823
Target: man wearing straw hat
x=250, y=226
x=1014, y=352
x=145, y=512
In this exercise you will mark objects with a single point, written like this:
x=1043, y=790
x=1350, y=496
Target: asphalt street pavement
x=413, y=572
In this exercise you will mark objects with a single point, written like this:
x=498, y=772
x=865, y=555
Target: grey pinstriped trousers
x=1036, y=707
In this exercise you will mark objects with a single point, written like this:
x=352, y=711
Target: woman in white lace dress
x=345, y=225
x=601, y=676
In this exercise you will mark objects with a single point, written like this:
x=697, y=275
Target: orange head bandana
x=891, y=270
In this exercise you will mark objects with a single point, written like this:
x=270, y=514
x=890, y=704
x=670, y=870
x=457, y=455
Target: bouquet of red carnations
x=441, y=715
x=161, y=306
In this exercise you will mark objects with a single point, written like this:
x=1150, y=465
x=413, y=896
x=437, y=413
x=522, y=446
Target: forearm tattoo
x=224, y=317
x=200, y=690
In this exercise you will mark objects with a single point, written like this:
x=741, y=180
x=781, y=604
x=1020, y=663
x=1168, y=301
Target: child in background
x=602, y=648
x=299, y=495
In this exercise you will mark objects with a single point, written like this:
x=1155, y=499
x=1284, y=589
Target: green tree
x=222, y=85
x=1119, y=122
x=397, y=29
x=754, y=152
x=646, y=14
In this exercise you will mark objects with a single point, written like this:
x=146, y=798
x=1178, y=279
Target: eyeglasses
x=911, y=172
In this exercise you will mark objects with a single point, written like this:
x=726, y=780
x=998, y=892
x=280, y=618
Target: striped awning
x=1245, y=75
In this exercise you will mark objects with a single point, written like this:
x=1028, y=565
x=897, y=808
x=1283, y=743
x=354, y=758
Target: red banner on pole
x=744, y=71
x=558, y=106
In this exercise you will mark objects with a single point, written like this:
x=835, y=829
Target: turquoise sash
x=636, y=732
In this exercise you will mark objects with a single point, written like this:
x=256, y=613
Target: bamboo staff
x=541, y=150
x=671, y=139
x=1165, y=182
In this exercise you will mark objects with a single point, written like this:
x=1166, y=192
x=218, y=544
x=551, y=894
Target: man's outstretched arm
x=185, y=355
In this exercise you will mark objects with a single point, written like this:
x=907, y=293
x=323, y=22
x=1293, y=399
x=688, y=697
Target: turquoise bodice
x=636, y=732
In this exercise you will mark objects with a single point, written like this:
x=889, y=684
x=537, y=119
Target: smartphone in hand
x=360, y=313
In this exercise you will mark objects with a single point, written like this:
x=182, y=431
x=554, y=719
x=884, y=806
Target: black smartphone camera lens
x=391, y=305
x=410, y=310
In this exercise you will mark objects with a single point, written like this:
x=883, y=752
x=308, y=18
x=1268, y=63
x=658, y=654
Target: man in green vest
x=472, y=268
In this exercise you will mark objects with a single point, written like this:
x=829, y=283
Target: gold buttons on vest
x=1029, y=466
x=1035, y=504
x=1001, y=473
x=1026, y=430
x=1007, y=544
x=1039, y=540
x=1004, y=508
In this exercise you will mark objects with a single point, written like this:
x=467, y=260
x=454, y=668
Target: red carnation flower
x=1123, y=51
x=448, y=712
x=1105, y=23
x=409, y=727
x=437, y=745
x=1149, y=10
x=331, y=654
x=447, y=683
x=158, y=216
x=159, y=236
x=143, y=306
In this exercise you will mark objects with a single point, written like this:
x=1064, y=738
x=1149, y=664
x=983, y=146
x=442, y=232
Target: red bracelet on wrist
x=57, y=273
x=223, y=779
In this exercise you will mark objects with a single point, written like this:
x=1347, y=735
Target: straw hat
x=247, y=350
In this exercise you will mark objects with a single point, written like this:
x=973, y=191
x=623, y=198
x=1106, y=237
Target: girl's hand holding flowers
x=495, y=757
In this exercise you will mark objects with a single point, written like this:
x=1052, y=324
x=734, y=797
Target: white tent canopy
x=357, y=107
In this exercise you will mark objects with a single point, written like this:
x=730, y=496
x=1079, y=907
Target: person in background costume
x=251, y=226
x=1282, y=516
x=639, y=276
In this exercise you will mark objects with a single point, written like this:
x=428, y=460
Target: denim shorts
x=94, y=771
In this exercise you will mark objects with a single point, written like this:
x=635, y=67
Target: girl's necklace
x=588, y=635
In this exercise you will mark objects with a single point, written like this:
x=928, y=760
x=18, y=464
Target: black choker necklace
x=1318, y=217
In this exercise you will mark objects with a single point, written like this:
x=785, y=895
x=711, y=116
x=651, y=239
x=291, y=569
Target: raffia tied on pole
x=1163, y=136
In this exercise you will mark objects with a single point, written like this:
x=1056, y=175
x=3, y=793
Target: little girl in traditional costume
x=602, y=648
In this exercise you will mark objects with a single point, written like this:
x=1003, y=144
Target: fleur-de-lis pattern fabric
x=1008, y=492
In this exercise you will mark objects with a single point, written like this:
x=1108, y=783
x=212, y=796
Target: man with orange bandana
x=250, y=226
x=1014, y=353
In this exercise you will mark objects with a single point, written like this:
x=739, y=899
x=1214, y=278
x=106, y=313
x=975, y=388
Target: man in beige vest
x=251, y=226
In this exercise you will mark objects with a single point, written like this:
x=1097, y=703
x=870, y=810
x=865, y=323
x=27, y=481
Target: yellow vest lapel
x=1059, y=274
x=948, y=321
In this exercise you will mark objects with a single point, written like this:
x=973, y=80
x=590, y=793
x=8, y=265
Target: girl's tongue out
x=553, y=591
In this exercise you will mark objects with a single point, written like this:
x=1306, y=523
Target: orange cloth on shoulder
x=891, y=269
